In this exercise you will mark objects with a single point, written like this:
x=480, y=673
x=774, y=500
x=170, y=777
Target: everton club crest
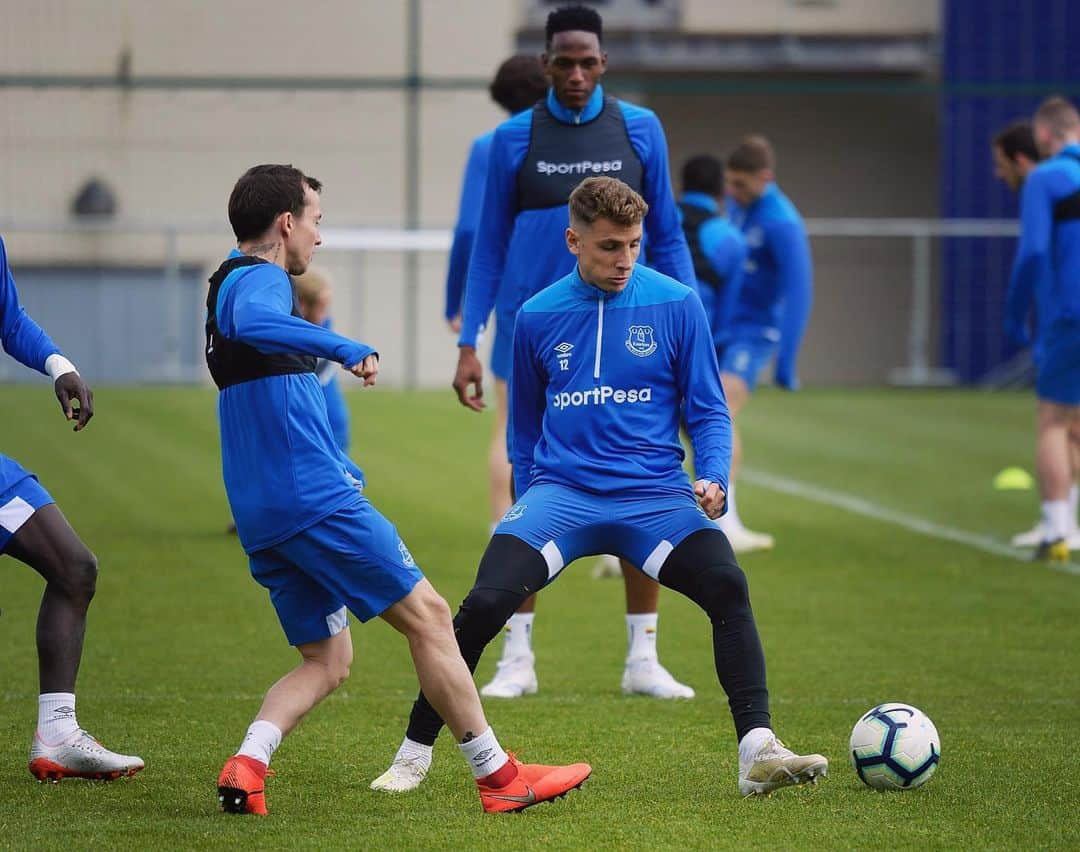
x=640, y=340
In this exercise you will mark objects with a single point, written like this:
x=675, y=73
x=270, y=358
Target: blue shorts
x=19, y=501
x=566, y=523
x=353, y=559
x=746, y=358
x=502, y=350
x=1058, y=367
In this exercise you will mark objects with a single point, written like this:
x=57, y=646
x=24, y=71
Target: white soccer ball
x=895, y=747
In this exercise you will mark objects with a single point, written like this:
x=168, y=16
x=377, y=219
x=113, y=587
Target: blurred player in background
x=34, y=531
x=598, y=464
x=314, y=293
x=519, y=83
x=767, y=315
x=1015, y=155
x=1046, y=276
x=313, y=540
x=537, y=158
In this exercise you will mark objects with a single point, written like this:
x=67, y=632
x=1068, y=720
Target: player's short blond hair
x=311, y=285
x=1059, y=116
x=606, y=198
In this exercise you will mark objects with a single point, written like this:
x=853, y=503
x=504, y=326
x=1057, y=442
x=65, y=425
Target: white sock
x=518, y=635
x=261, y=741
x=416, y=752
x=1057, y=519
x=56, y=717
x=730, y=519
x=1074, y=507
x=751, y=744
x=484, y=754
x=641, y=636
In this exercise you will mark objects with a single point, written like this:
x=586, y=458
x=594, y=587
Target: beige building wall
x=808, y=17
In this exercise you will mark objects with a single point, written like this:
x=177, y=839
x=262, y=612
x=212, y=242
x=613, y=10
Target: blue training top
x=599, y=382
x=774, y=300
x=1047, y=264
x=283, y=469
x=26, y=342
x=468, y=219
x=520, y=252
x=725, y=249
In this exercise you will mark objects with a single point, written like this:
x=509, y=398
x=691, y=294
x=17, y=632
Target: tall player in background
x=1046, y=275
x=314, y=293
x=519, y=83
x=34, y=531
x=767, y=315
x=537, y=158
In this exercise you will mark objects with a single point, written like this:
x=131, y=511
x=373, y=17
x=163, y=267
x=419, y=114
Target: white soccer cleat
x=648, y=677
x=747, y=541
x=514, y=677
x=606, y=566
x=776, y=766
x=80, y=756
x=404, y=774
x=1038, y=534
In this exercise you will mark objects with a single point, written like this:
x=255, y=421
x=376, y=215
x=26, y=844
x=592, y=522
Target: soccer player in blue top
x=312, y=538
x=767, y=314
x=1046, y=273
x=716, y=245
x=537, y=158
x=519, y=83
x=594, y=441
x=314, y=294
x=34, y=531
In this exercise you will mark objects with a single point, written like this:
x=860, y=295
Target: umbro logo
x=564, y=347
x=563, y=351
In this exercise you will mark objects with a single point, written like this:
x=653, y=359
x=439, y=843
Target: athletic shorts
x=353, y=559
x=1058, y=371
x=23, y=496
x=502, y=350
x=566, y=523
x=745, y=358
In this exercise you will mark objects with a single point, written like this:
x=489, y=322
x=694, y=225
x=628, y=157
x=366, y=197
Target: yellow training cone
x=1013, y=479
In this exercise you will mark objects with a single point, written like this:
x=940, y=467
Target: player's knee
x=485, y=612
x=77, y=576
x=433, y=619
x=725, y=587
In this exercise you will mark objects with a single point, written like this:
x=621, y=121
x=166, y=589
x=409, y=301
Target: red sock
x=500, y=777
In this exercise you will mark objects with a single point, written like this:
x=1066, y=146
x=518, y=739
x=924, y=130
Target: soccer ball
x=895, y=747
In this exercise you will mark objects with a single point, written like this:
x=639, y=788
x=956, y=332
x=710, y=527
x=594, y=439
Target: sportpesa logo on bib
x=600, y=396
x=583, y=167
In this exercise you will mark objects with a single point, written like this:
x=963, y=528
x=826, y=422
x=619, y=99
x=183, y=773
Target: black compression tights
x=702, y=567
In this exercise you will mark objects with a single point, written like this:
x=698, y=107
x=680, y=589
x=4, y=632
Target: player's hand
x=455, y=324
x=470, y=373
x=70, y=388
x=711, y=498
x=367, y=369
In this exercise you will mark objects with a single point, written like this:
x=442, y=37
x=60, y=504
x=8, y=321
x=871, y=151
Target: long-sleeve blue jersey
x=725, y=249
x=774, y=300
x=517, y=252
x=599, y=381
x=283, y=469
x=1047, y=264
x=468, y=220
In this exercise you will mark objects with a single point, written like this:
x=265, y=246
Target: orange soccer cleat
x=241, y=786
x=533, y=783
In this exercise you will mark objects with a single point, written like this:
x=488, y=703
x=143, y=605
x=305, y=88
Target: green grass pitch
x=182, y=643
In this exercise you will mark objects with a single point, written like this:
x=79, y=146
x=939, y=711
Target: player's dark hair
x=753, y=154
x=1017, y=138
x=262, y=194
x=569, y=18
x=703, y=173
x=606, y=198
x=519, y=83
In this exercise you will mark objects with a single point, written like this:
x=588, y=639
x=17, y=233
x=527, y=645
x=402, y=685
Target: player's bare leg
x=643, y=674
x=1053, y=464
x=742, y=540
x=61, y=749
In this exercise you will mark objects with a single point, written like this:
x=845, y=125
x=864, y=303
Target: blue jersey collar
x=569, y=116
x=701, y=199
x=1073, y=148
x=591, y=292
x=235, y=253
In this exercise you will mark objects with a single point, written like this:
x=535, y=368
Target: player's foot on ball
x=403, y=775
x=80, y=756
x=533, y=784
x=242, y=786
x=606, y=566
x=1056, y=551
x=743, y=540
x=648, y=677
x=775, y=766
x=514, y=677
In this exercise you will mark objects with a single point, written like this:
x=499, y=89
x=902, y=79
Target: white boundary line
x=869, y=509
